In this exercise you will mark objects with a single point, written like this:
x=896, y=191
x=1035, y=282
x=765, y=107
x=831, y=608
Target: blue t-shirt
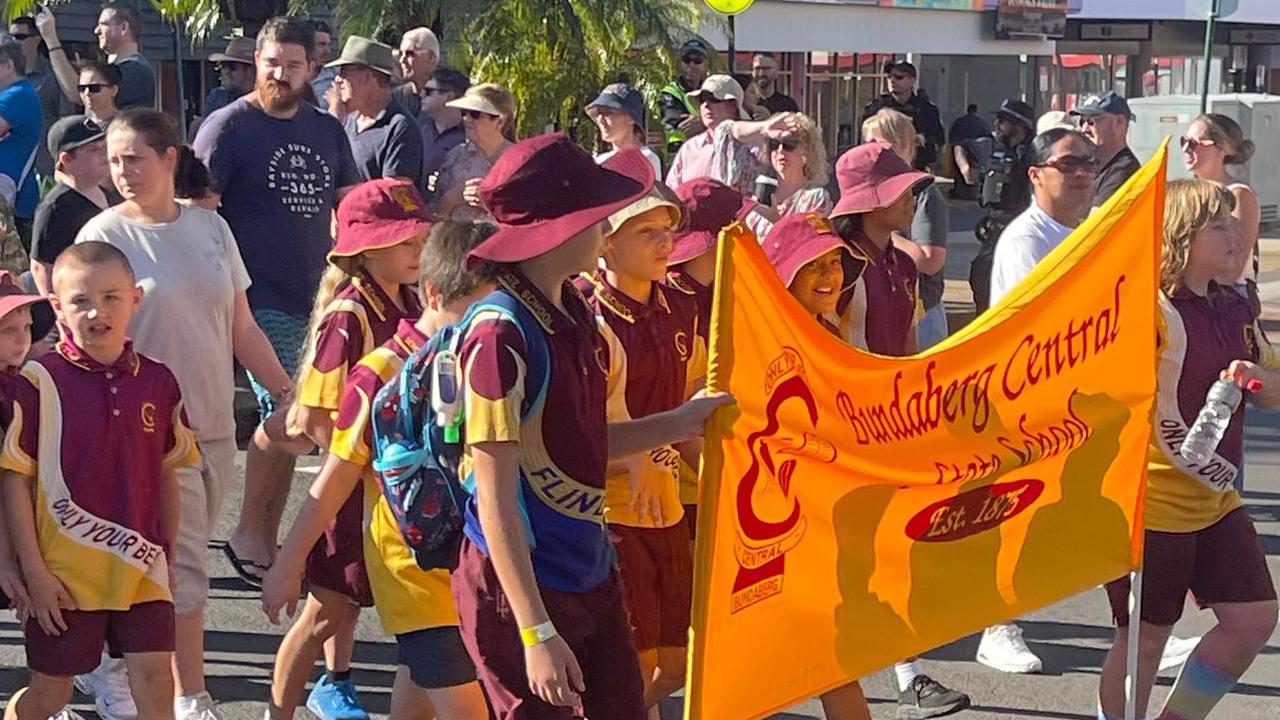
x=278, y=180
x=20, y=107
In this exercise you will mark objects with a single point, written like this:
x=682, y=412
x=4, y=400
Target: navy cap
x=694, y=45
x=1018, y=112
x=1107, y=102
x=621, y=96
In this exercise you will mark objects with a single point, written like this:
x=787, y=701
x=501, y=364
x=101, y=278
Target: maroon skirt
x=336, y=563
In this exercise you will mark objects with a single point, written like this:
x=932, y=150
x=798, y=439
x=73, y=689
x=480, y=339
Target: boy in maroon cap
x=93, y=524
x=654, y=359
x=535, y=585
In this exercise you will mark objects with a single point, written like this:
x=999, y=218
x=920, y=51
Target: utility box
x=1258, y=115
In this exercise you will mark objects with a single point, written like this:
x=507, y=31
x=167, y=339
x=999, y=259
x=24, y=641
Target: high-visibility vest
x=673, y=88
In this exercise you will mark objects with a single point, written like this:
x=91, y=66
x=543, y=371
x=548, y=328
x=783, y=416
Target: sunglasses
x=1073, y=164
x=476, y=114
x=92, y=88
x=22, y=36
x=693, y=60
x=428, y=91
x=787, y=144
x=1188, y=142
x=707, y=97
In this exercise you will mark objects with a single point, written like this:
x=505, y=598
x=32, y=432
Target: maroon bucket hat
x=709, y=205
x=798, y=239
x=545, y=190
x=378, y=214
x=872, y=176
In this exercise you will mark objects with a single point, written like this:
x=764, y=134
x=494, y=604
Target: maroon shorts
x=656, y=566
x=143, y=628
x=336, y=563
x=594, y=624
x=1223, y=563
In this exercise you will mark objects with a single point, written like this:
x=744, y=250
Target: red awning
x=1075, y=61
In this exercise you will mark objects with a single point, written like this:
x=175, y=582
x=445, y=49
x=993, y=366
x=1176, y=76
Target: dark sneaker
x=927, y=698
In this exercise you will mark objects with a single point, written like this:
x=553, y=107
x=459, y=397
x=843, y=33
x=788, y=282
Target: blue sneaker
x=335, y=700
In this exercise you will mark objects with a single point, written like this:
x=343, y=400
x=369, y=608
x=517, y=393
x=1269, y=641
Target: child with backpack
x=535, y=584
x=414, y=604
x=651, y=335
x=366, y=291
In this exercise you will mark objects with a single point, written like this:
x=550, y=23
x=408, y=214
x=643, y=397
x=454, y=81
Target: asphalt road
x=1071, y=636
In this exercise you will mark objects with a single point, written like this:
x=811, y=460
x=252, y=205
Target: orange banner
x=858, y=509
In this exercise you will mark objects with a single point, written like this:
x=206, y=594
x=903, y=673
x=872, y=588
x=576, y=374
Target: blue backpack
x=418, y=446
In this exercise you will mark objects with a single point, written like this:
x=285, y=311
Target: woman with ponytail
x=1212, y=143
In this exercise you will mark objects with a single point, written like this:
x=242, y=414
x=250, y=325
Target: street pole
x=1214, y=7
x=733, y=55
x=177, y=73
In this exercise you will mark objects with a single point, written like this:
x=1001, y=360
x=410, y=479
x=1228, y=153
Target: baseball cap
x=70, y=133
x=369, y=53
x=722, y=87
x=1018, y=112
x=693, y=46
x=621, y=96
x=903, y=67
x=1108, y=102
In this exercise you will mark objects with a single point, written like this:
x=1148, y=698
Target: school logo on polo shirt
x=770, y=523
x=148, y=417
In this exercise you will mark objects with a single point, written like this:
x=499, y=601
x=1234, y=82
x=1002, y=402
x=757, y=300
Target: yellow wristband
x=537, y=634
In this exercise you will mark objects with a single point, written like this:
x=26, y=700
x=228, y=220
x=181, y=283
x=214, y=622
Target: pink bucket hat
x=872, y=176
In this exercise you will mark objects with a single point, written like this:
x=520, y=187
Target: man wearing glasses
x=442, y=128
x=119, y=30
x=1105, y=121
x=902, y=96
x=419, y=55
x=679, y=113
x=1063, y=166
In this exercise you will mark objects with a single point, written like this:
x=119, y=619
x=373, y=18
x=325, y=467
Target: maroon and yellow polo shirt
x=878, y=311
x=360, y=317
x=1199, y=336
x=99, y=441
x=407, y=597
x=654, y=357
x=563, y=446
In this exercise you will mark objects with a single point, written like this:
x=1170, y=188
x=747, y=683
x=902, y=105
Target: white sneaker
x=1176, y=651
x=196, y=707
x=1003, y=649
x=108, y=684
x=67, y=714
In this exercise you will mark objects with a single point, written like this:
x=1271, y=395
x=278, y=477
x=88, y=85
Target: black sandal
x=250, y=572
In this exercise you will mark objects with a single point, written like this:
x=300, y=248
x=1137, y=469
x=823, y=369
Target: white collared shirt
x=1024, y=243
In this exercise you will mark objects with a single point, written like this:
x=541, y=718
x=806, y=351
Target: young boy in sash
x=93, y=518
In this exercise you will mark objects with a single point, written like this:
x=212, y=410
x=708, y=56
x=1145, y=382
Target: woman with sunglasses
x=1212, y=143
x=98, y=86
x=488, y=116
x=798, y=160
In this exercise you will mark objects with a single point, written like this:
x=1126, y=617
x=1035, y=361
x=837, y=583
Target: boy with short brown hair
x=94, y=523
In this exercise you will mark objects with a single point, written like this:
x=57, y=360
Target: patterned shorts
x=287, y=335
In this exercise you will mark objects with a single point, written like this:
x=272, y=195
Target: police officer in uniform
x=1006, y=189
x=680, y=119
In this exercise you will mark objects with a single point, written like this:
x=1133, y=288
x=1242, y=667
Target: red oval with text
x=972, y=512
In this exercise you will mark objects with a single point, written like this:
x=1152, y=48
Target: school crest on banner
x=880, y=507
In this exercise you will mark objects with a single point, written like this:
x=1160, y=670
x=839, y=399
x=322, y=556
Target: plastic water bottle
x=1211, y=423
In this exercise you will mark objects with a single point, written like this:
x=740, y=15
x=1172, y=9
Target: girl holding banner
x=1199, y=536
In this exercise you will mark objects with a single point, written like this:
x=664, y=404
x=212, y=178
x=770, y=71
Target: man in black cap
x=79, y=152
x=1105, y=120
x=1006, y=188
x=902, y=96
x=680, y=119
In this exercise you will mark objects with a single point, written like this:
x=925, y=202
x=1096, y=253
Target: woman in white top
x=798, y=159
x=619, y=113
x=194, y=318
x=1212, y=143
